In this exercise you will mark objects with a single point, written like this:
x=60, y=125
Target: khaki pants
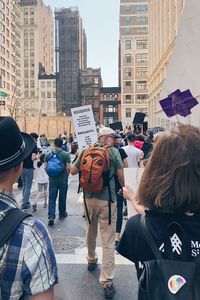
x=98, y=213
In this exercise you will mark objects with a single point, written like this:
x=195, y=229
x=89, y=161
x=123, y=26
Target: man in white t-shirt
x=134, y=154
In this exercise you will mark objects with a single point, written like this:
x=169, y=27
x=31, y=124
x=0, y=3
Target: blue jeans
x=27, y=179
x=54, y=188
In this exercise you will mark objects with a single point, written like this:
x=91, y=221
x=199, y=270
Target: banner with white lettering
x=84, y=125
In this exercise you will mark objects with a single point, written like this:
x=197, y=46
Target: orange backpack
x=94, y=167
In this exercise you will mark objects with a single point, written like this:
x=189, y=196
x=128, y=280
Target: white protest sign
x=84, y=124
x=132, y=177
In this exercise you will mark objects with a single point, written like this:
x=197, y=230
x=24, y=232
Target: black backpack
x=164, y=279
x=10, y=222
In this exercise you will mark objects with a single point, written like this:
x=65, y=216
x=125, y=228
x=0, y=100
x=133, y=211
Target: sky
x=101, y=24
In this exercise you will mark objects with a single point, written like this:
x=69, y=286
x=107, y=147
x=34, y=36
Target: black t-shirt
x=123, y=156
x=28, y=163
x=133, y=244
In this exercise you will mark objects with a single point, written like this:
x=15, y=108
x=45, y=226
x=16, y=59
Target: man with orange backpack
x=97, y=166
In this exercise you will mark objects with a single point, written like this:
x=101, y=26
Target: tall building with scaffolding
x=71, y=49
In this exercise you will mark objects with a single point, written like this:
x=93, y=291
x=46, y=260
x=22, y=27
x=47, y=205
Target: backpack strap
x=149, y=238
x=109, y=191
x=10, y=222
x=54, y=153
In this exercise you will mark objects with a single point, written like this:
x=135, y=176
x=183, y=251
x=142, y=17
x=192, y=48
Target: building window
x=140, y=98
x=26, y=86
x=31, y=52
x=141, y=57
x=31, y=21
x=127, y=44
x=96, y=80
x=128, y=112
x=32, y=73
x=142, y=71
x=127, y=20
x=127, y=30
x=32, y=84
x=141, y=30
x=127, y=83
x=32, y=63
x=108, y=120
x=142, y=20
x=25, y=53
x=141, y=85
x=48, y=83
x=26, y=11
x=48, y=94
x=26, y=94
x=32, y=94
x=141, y=44
x=54, y=84
x=128, y=58
x=54, y=94
x=31, y=32
x=110, y=108
x=25, y=42
x=128, y=99
x=127, y=8
x=43, y=95
x=141, y=8
x=26, y=63
x=43, y=84
x=128, y=72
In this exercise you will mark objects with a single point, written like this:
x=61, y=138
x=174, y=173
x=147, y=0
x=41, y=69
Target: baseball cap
x=107, y=131
x=131, y=137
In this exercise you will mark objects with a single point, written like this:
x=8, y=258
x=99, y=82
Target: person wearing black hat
x=27, y=174
x=28, y=265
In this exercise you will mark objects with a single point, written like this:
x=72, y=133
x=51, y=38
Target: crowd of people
x=168, y=195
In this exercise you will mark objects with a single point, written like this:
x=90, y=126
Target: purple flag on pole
x=178, y=103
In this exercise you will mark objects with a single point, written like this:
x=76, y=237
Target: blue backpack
x=55, y=166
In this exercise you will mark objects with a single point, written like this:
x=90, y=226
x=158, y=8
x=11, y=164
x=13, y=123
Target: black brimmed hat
x=15, y=146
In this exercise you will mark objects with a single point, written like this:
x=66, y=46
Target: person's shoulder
x=113, y=150
x=64, y=153
x=33, y=224
x=134, y=220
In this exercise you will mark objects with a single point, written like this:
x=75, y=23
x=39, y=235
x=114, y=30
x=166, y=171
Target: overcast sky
x=101, y=23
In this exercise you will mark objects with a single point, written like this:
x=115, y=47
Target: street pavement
x=68, y=236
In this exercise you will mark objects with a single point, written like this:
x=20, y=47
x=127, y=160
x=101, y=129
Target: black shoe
x=92, y=266
x=34, y=207
x=51, y=222
x=116, y=244
x=65, y=215
x=24, y=207
x=109, y=291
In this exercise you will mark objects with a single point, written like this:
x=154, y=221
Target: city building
x=90, y=84
x=10, y=61
x=164, y=20
x=70, y=48
x=134, y=57
x=47, y=95
x=110, y=105
x=37, y=50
